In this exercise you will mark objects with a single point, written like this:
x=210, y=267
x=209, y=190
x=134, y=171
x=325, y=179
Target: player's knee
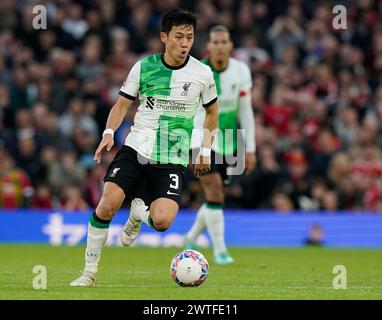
x=215, y=195
x=162, y=223
x=106, y=210
x=214, y=191
x=161, y=220
x=161, y=227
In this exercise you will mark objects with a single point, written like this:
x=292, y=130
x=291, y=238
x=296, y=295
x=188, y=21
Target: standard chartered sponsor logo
x=170, y=105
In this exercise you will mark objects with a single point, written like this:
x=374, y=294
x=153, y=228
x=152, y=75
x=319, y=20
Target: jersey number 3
x=174, y=181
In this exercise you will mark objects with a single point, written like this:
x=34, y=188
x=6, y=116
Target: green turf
x=143, y=273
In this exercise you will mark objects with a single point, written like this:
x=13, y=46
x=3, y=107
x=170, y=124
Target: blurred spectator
x=90, y=66
x=20, y=95
x=42, y=198
x=73, y=23
x=346, y=125
x=72, y=199
x=314, y=200
x=323, y=148
x=67, y=171
x=76, y=117
x=284, y=31
x=28, y=158
x=295, y=181
x=278, y=113
x=16, y=189
x=316, y=235
x=264, y=180
x=250, y=53
x=94, y=185
x=281, y=203
x=51, y=134
x=6, y=111
x=330, y=201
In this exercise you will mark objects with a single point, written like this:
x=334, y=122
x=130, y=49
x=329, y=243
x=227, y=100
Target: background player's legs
x=212, y=215
x=214, y=191
x=98, y=227
x=197, y=228
x=213, y=188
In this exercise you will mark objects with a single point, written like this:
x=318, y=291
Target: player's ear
x=163, y=37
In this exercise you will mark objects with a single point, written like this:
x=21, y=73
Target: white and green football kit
x=151, y=163
x=233, y=87
x=169, y=97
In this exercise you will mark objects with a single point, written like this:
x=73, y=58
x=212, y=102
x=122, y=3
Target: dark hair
x=177, y=17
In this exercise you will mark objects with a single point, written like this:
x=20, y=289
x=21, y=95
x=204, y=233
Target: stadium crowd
x=317, y=98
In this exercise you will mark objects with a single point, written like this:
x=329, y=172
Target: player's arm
x=114, y=120
x=209, y=102
x=127, y=95
x=203, y=161
x=247, y=122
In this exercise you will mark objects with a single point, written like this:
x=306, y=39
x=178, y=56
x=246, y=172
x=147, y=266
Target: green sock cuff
x=214, y=205
x=98, y=223
x=150, y=221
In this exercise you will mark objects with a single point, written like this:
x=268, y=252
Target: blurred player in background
x=233, y=84
x=170, y=87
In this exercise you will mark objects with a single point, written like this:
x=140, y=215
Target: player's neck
x=219, y=65
x=169, y=61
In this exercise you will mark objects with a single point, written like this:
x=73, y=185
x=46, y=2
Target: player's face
x=219, y=46
x=178, y=42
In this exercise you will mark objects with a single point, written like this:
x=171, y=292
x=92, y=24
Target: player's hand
x=202, y=165
x=107, y=142
x=250, y=162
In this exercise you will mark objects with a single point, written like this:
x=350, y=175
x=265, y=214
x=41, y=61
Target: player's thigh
x=164, y=184
x=111, y=200
x=213, y=188
x=165, y=181
x=163, y=212
x=125, y=171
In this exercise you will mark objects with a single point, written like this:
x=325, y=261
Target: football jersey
x=169, y=97
x=231, y=84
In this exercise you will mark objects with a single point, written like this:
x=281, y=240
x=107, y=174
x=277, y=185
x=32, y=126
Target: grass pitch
x=143, y=273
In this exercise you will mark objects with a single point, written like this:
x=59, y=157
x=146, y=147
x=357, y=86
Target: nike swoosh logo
x=172, y=193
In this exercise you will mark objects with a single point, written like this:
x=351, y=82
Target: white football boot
x=133, y=225
x=86, y=279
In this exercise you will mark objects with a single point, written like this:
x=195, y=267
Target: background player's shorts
x=146, y=181
x=219, y=164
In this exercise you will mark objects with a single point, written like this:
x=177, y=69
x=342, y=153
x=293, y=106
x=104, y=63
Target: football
x=189, y=268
